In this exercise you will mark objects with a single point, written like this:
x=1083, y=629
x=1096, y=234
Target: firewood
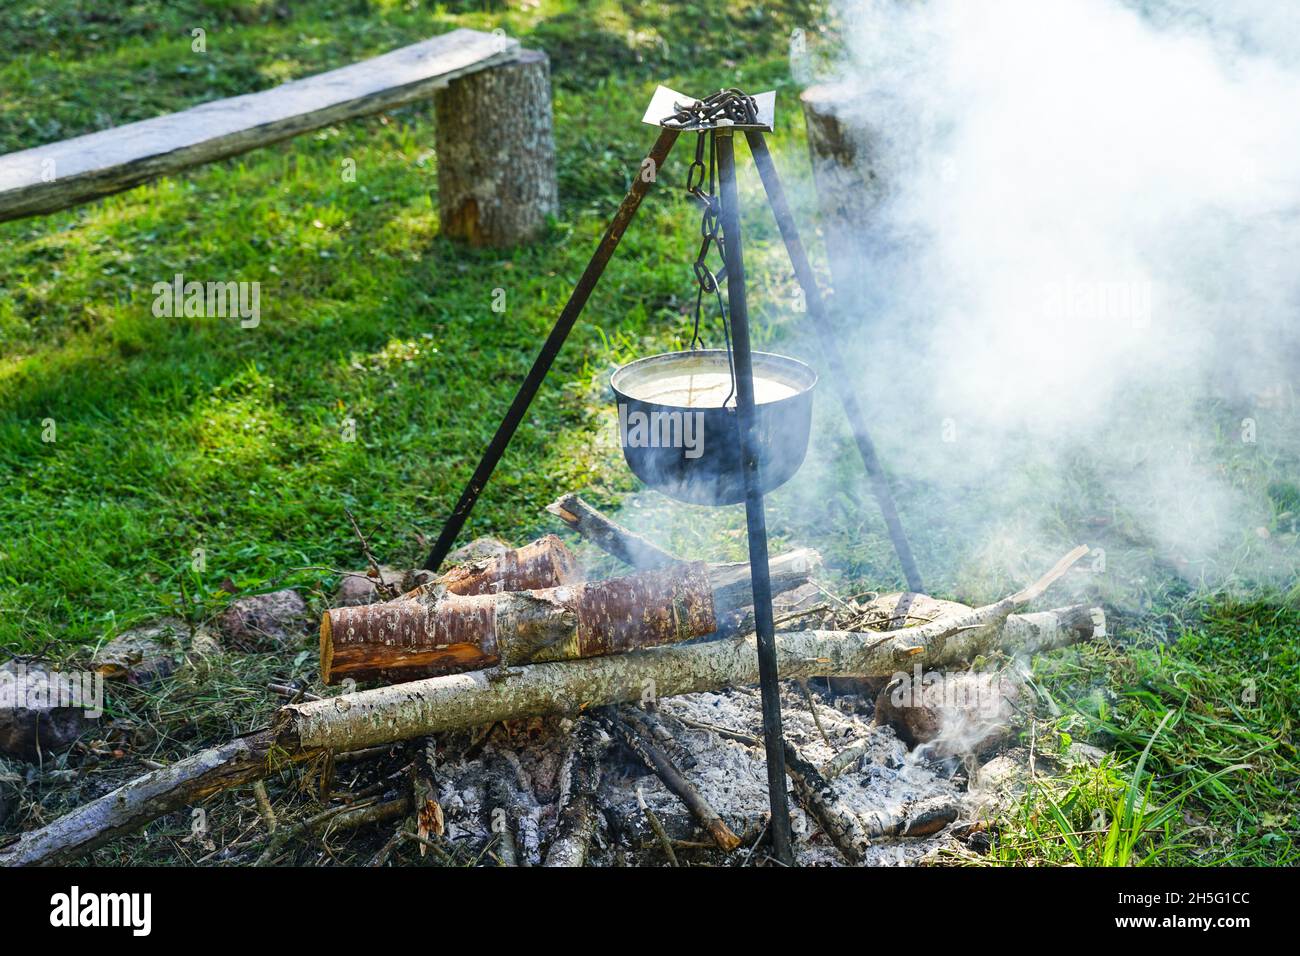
x=383, y=715
x=579, y=818
x=543, y=563
x=417, y=636
x=407, y=639
x=477, y=698
x=628, y=547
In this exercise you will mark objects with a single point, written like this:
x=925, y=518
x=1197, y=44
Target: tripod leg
x=756, y=520
x=563, y=325
x=821, y=322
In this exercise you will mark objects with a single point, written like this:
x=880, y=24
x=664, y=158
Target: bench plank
x=58, y=175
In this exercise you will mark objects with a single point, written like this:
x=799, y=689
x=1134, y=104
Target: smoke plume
x=1080, y=286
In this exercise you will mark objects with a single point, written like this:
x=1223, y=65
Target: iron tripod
x=754, y=510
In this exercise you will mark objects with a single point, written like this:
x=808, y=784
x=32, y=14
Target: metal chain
x=711, y=235
x=731, y=104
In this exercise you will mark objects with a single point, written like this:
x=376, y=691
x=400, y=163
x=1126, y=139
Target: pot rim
x=802, y=370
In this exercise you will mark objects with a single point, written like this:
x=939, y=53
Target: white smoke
x=1086, y=256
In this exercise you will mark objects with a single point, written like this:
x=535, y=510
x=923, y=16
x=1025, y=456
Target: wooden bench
x=481, y=199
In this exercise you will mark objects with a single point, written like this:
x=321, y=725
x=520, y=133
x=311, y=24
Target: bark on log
x=417, y=637
x=146, y=798
x=406, y=639
x=544, y=563
x=628, y=547
x=496, y=153
x=466, y=700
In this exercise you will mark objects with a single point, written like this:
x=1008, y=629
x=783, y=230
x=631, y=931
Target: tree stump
x=496, y=153
x=848, y=182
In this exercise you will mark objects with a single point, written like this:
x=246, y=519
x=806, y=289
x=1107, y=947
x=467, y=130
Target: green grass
x=180, y=435
x=1203, y=766
x=177, y=434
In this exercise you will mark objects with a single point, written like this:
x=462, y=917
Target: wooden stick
x=610, y=537
x=657, y=828
x=146, y=798
x=628, y=726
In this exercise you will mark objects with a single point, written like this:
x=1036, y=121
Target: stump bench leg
x=496, y=153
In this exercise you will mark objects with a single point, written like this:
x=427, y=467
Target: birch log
x=543, y=563
x=427, y=706
x=420, y=636
x=405, y=639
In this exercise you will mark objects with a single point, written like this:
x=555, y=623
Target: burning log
x=423, y=634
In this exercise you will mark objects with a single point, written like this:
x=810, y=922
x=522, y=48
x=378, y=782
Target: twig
x=346, y=816
x=657, y=827
x=812, y=709
x=264, y=805
x=383, y=587
x=292, y=692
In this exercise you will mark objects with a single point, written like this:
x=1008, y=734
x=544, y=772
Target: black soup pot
x=679, y=438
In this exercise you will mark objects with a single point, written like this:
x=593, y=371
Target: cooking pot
x=678, y=423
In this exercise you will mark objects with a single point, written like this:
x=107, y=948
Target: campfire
x=518, y=712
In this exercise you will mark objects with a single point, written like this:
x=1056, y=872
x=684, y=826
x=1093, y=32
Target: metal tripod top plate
x=666, y=102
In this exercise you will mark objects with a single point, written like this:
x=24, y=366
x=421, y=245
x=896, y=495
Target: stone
x=358, y=588
x=142, y=655
x=480, y=549
x=277, y=618
x=43, y=711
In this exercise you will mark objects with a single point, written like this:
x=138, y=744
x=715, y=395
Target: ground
x=193, y=459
